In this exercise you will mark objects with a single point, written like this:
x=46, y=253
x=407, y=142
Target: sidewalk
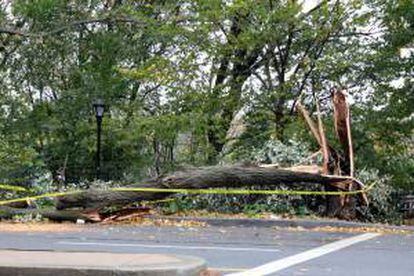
x=49, y=263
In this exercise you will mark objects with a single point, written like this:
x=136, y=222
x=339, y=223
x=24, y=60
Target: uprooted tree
x=335, y=174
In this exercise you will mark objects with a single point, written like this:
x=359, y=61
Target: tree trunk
x=334, y=163
x=201, y=178
x=241, y=61
x=55, y=215
x=342, y=123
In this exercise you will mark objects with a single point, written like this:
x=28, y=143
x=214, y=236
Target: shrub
x=383, y=206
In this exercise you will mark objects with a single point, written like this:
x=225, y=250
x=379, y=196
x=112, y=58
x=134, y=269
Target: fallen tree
x=89, y=205
x=205, y=177
x=335, y=174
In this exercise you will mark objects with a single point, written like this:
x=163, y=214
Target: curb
x=283, y=223
x=47, y=263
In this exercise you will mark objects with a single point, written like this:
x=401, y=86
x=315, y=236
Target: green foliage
x=173, y=75
x=20, y=164
x=249, y=205
x=283, y=155
x=383, y=203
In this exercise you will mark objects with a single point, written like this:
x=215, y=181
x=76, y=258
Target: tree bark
x=342, y=122
x=55, y=215
x=201, y=178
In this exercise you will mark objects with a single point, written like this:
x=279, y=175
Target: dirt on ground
x=39, y=227
x=47, y=226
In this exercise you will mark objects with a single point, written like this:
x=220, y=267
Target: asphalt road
x=239, y=249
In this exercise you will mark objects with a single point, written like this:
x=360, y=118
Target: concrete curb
x=46, y=263
x=284, y=223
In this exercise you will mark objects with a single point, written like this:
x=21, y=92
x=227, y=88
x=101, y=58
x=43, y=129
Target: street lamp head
x=99, y=107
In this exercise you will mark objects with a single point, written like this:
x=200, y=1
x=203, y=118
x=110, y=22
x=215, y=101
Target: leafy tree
x=177, y=75
x=386, y=121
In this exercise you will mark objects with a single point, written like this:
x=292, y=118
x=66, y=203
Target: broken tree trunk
x=342, y=121
x=334, y=204
x=200, y=178
x=333, y=162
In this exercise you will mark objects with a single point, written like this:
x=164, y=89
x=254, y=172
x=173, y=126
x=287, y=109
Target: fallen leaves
x=353, y=229
x=44, y=226
x=39, y=227
x=364, y=229
x=160, y=222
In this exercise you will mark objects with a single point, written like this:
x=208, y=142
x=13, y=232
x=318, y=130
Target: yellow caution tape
x=241, y=191
x=28, y=198
x=199, y=191
x=12, y=188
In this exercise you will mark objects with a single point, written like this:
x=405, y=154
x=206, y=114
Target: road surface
x=238, y=250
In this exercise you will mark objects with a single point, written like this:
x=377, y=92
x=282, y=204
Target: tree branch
x=71, y=25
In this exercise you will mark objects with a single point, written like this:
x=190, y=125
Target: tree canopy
x=198, y=82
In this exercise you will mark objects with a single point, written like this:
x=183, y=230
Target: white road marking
x=278, y=265
x=226, y=269
x=221, y=248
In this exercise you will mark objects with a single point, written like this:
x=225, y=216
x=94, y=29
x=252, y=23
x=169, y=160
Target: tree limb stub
x=201, y=178
x=322, y=136
x=342, y=122
x=334, y=157
x=311, y=124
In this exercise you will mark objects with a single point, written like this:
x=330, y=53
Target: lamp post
x=99, y=108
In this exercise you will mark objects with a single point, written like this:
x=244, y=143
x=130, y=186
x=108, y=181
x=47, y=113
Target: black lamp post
x=99, y=107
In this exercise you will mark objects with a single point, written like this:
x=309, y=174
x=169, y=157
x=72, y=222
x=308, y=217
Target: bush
x=283, y=155
x=383, y=206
